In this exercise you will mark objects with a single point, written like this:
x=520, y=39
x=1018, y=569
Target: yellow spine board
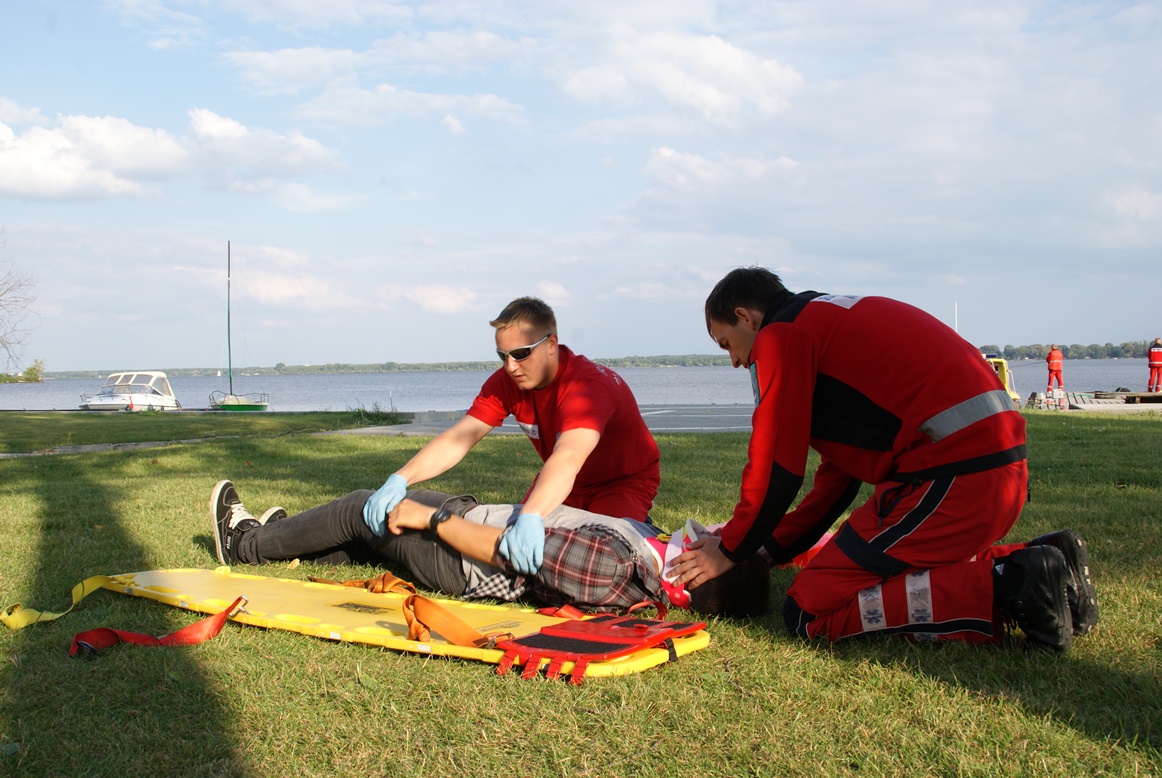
x=358, y=616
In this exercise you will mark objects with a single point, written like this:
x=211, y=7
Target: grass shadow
x=1120, y=703
x=119, y=713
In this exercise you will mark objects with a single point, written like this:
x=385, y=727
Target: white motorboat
x=141, y=390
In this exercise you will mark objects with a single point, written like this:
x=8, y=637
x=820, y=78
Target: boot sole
x=1083, y=603
x=216, y=522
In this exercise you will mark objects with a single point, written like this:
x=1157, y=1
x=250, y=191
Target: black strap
x=975, y=465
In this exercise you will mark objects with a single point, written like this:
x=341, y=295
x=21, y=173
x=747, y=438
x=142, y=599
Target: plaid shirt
x=590, y=567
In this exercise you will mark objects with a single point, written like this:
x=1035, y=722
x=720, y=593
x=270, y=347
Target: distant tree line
x=1129, y=350
x=339, y=368
x=1035, y=351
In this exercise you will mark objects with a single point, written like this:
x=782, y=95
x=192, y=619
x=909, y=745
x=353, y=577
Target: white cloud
x=433, y=298
x=648, y=125
x=674, y=169
x=300, y=198
x=299, y=291
x=646, y=291
x=703, y=74
x=345, y=103
x=291, y=70
x=447, y=51
x=86, y=157
x=275, y=255
x=248, y=160
x=1138, y=203
x=553, y=293
x=12, y=112
x=300, y=14
x=435, y=52
x=441, y=298
x=166, y=27
x=453, y=125
x=161, y=19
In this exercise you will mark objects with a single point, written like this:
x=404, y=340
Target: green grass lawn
x=22, y=433
x=755, y=702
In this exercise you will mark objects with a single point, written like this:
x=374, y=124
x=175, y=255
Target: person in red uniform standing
x=1055, y=360
x=1154, y=362
x=581, y=417
x=931, y=428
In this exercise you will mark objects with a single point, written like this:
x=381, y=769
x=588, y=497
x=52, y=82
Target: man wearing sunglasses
x=581, y=418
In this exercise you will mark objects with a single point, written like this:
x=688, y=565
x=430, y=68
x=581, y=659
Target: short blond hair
x=533, y=312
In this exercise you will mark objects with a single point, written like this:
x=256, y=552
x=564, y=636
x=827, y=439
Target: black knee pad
x=796, y=618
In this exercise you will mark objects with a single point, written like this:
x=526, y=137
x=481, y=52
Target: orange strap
x=88, y=643
x=656, y=604
x=385, y=583
x=423, y=616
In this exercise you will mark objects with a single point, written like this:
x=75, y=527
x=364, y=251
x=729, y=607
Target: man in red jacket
x=1055, y=360
x=890, y=396
x=1154, y=362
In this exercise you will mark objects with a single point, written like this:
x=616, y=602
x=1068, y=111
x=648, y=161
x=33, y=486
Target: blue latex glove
x=524, y=544
x=378, y=505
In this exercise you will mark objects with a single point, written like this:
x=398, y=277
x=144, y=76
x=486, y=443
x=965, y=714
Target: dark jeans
x=335, y=533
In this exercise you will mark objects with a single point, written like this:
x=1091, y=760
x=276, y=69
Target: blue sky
x=390, y=174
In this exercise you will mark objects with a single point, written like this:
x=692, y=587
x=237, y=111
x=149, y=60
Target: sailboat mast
x=229, y=355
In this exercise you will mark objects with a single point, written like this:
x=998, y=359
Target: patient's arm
x=470, y=539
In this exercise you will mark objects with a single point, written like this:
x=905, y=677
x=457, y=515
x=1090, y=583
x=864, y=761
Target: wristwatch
x=438, y=518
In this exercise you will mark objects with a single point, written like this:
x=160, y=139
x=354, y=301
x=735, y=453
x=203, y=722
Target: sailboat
x=221, y=401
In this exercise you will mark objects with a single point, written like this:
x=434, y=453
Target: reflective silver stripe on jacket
x=966, y=414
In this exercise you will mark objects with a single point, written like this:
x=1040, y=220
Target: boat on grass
x=228, y=401
x=139, y=390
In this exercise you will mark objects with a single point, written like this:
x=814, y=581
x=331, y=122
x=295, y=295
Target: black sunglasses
x=522, y=353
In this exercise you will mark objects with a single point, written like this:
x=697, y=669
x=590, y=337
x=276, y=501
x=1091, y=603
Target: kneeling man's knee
x=796, y=618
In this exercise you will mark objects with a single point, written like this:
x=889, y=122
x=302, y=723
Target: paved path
x=659, y=418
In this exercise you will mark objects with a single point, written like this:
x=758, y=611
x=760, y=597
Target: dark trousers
x=336, y=534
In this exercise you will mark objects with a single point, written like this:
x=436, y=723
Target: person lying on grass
x=449, y=544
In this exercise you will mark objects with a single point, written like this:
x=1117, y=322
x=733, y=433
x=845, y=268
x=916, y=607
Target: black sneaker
x=231, y=519
x=1029, y=587
x=1081, y=593
x=276, y=513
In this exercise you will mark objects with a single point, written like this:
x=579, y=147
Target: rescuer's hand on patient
x=378, y=505
x=408, y=515
x=524, y=544
x=701, y=563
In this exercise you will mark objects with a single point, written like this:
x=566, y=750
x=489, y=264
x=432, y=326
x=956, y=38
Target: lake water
x=451, y=391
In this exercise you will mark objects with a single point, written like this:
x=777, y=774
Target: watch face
x=438, y=518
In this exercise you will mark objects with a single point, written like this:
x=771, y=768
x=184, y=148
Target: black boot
x=1029, y=587
x=1081, y=594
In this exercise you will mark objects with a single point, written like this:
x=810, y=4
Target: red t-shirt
x=583, y=395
